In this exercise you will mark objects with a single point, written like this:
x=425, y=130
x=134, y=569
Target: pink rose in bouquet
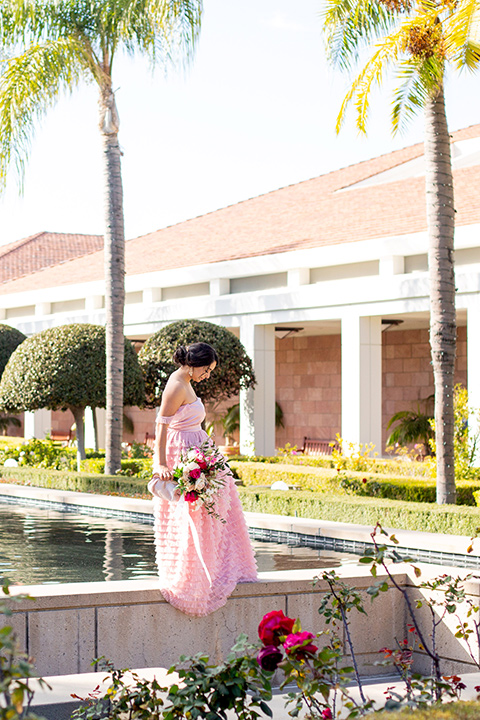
x=200, y=475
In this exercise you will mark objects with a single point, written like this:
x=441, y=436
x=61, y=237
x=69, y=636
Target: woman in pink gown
x=200, y=559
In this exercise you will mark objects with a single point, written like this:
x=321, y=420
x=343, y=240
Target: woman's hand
x=162, y=473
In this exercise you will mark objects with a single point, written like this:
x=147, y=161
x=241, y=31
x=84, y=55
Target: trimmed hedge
x=447, y=711
x=78, y=482
x=450, y=519
x=364, y=484
x=133, y=466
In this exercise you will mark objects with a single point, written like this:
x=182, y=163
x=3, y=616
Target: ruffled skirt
x=224, y=549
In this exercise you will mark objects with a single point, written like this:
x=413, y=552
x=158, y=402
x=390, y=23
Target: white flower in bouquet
x=200, y=483
x=189, y=467
x=191, y=454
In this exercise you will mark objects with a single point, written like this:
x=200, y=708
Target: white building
x=325, y=282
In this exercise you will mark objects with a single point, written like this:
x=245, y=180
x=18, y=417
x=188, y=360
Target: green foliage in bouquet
x=234, y=370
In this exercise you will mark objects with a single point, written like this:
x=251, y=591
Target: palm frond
x=29, y=85
x=350, y=25
x=462, y=35
x=418, y=82
x=386, y=53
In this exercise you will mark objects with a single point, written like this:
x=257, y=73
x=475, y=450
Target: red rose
x=297, y=644
x=274, y=625
x=269, y=657
x=195, y=473
x=327, y=714
x=191, y=496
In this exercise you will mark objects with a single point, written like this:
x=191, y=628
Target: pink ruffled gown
x=224, y=549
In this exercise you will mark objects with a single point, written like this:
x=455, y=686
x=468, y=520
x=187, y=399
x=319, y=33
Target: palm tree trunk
x=441, y=226
x=114, y=279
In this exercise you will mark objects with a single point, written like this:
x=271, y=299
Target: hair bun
x=180, y=355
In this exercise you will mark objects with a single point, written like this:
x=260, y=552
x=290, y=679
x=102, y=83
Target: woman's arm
x=173, y=398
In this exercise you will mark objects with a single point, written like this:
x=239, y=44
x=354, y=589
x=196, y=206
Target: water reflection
x=41, y=546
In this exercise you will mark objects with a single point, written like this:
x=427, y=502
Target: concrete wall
x=66, y=626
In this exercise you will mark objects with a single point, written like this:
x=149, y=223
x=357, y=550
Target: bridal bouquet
x=200, y=474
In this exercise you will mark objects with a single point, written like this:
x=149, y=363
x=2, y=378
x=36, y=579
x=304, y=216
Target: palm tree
x=412, y=426
x=51, y=47
x=413, y=40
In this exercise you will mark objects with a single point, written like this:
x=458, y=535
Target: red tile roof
x=306, y=215
x=43, y=250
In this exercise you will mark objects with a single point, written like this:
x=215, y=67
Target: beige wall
x=309, y=380
x=66, y=626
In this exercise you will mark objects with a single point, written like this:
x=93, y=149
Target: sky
x=253, y=112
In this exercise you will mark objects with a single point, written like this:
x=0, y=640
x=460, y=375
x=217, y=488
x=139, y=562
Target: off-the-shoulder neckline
x=192, y=403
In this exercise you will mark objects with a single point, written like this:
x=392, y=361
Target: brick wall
x=308, y=380
x=407, y=370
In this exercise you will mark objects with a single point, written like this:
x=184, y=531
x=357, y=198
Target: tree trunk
x=95, y=429
x=114, y=279
x=443, y=334
x=78, y=413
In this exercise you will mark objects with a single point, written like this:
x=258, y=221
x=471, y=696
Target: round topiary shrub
x=63, y=368
x=234, y=369
x=10, y=339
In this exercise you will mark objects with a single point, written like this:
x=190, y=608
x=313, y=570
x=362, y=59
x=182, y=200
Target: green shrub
x=448, y=711
x=10, y=339
x=139, y=467
x=40, y=453
x=366, y=484
x=234, y=370
x=450, y=519
x=75, y=481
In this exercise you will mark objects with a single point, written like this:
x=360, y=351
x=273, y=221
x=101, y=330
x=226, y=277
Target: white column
x=37, y=424
x=392, y=265
x=362, y=380
x=257, y=407
x=220, y=286
x=473, y=350
x=90, y=429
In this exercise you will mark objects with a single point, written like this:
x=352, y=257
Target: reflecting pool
x=40, y=546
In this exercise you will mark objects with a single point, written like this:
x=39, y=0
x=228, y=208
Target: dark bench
x=316, y=446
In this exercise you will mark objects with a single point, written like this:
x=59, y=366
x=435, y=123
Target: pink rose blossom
x=195, y=474
x=191, y=496
x=297, y=644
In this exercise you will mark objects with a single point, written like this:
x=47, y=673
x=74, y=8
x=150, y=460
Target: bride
x=200, y=559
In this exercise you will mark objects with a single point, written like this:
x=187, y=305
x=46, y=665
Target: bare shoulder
x=173, y=396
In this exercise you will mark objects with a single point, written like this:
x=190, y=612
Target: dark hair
x=197, y=354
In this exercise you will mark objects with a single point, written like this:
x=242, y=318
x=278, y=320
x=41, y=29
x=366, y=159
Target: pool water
x=40, y=546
